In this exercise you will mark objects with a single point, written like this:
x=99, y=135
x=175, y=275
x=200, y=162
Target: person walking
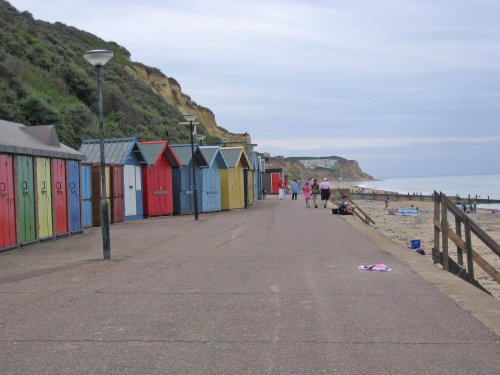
x=281, y=191
x=325, y=191
x=315, y=192
x=307, y=190
x=294, y=186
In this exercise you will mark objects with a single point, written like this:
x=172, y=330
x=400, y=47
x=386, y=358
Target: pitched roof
x=39, y=140
x=233, y=155
x=183, y=153
x=116, y=150
x=212, y=153
x=153, y=150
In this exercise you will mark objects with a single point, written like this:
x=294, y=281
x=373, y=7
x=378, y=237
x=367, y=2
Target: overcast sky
x=405, y=87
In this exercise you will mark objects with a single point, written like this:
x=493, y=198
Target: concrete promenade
x=270, y=290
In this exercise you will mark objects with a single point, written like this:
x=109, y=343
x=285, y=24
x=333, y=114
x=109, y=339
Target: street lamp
x=200, y=138
x=98, y=58
x=191, y=118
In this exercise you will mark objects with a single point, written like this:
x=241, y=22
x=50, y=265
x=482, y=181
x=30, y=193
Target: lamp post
x=200, y=138
x=98, y=58
x=191, y=118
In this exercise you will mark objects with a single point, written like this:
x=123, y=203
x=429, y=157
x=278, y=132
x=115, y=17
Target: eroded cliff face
x=170, y=90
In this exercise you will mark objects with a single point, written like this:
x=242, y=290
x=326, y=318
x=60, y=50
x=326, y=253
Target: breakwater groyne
x=421, y=197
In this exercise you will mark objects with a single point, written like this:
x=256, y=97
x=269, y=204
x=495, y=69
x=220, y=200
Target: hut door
x=211, y=189
x=59, y=195
x=130, y=190
x=44, y=192
x=86, y=196
x=245, y=188
x=26, y=199
x=117, y=196
x=75, y=222
x=7, y=211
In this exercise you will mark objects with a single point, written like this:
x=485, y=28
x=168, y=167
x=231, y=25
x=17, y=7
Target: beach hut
x=210, y=176
x=7, y=208
x=233, y=178
x=59, y=196
x=252, y=176
x=125, y=152
x=157, y=177
x=97, y=193
x=273, y=179
x=117, y=194
x=74, y=197
x=260, y=179
x=86, y=178
x=182, y=178
x=34, y=167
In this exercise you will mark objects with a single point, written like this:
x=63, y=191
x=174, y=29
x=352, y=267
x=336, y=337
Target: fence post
x=444, y=231
x=437, y=211
x=468, y=246
x=458, y=229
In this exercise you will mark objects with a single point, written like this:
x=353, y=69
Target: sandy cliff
x=169, y=89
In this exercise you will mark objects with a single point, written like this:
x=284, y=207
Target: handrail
x=365, y=218
x=443, y=204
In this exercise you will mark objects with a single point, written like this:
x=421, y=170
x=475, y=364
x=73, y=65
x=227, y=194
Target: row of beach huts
x=48, y=189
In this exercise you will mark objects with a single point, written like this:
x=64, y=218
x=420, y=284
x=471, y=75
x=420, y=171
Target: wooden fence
x=443, y=233
x=339, y=193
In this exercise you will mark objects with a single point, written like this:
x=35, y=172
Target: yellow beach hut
x=233, y=179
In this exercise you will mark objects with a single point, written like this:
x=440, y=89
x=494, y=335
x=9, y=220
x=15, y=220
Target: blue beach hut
x=182, y=178
x=126, y=152
x=210, y=176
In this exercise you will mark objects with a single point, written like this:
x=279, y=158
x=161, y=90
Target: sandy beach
x=404, y=228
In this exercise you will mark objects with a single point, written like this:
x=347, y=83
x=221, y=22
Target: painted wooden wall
x=211, y=189
x=86, y=195
x=97, y=193
x=59, y=196
x=44, y=198
x=8, y=236
x=26, y=222
x=157, y=188
x=117, y=194
x=74, y=196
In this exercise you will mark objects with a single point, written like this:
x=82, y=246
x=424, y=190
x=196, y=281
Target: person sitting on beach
x=345, y=206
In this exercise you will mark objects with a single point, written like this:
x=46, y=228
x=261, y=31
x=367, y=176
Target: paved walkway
x=270, y=290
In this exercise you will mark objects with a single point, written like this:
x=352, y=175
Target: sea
x=481, y=185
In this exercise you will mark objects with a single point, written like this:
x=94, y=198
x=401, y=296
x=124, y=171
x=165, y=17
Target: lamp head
x=98, y=57
x=190, y=117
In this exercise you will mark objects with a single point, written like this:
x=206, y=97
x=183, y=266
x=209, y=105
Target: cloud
x=321, y=77
x=371, y=143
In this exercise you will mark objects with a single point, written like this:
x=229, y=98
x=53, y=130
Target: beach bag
x=315, y=189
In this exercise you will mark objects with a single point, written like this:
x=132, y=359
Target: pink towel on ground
x=374, y=267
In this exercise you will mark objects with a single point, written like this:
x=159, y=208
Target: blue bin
x=414, y=244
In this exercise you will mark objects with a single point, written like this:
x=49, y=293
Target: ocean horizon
x=481, y=186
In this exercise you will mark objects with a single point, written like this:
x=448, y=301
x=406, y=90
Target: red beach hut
x=157, y=177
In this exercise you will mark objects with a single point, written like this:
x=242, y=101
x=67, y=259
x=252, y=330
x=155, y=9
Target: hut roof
x=211, y=153
x=183, y=153
x=116, y=150
x=153, y=150
x=39, y=140
x=233, y=155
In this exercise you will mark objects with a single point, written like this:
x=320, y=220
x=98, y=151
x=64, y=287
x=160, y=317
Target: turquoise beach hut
x=210, y=176
x=182, y=178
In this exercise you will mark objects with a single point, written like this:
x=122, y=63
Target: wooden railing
x=443, y=233
x=337, y=194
